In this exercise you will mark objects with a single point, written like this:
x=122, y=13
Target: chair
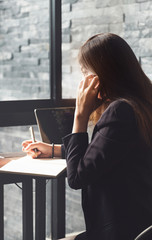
x=145, y=235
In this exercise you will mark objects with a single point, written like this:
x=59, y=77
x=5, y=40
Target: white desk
x=16, y=168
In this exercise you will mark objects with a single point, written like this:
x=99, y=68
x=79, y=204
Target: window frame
x=18, y=113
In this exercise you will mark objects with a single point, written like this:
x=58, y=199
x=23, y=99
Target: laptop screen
x=54, y=123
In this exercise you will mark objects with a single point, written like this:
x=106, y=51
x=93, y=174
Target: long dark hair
x=120, y=75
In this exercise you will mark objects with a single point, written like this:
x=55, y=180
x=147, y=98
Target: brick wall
x=24, y=42
x=24, y=67
x=131, y=19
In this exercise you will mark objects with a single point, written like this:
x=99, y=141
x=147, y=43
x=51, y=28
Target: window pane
x=11, y=137
x=71, y=73
x=24, y=49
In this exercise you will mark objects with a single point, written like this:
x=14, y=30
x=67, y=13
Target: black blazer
x=114, y=172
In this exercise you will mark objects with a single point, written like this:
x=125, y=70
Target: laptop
x=54, y=123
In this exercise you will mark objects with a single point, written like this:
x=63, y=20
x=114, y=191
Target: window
x=25, y=50
x=30, y=59
x=30, y=52
x=71, y=73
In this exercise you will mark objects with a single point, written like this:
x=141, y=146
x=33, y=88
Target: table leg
x=58, y=208
x=1, y=212
x=40, y=208
x=27, y=196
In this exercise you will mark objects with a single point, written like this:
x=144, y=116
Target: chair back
x=145, y=235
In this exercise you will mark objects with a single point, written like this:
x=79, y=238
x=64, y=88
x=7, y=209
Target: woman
x=114, y=171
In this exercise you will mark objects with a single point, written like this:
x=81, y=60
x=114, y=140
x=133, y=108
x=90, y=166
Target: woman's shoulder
x=118, y=110
x=123, y=109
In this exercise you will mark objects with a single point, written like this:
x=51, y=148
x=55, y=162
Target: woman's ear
x=99, y=95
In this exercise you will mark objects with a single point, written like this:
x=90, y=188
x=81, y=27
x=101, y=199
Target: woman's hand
x=43, y=149
x=86, y=102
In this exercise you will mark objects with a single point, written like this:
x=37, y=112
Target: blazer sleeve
x=113, y=134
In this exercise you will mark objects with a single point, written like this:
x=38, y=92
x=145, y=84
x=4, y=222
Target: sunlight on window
x=24, y=52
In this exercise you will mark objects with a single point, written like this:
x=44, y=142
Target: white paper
x=27, y=165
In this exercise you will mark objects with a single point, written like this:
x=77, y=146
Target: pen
x=33, y=138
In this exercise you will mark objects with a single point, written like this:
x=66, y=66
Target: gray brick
x=42, y=16
x=6, y=56
x=43, y=76
x=16, y=75
x=66, y=24
x=32, y=48
x=30, y=8
x=66, y=38
x=37, y=40
x=139, y=1
x=1, y=75
x=131, y=19
x=132, y=25
x=82, y=33
x=133, y=42
x=107, y=15
x=9, y=13
x=66, y=7
x=66, y=31
x=21, y=15
x=146, y=64
x=23, y=3
x=66, y=56
x=83, y=5
x=7, y=4
x=132, y=34
x=26, y=61
x=30, y=69
x=89, y=21
x=15, y=44
x=128, y=1
x=115, y=28
x=131, y=9
x=145, y=19
x=44, y=62
x=69, y=1
x=66, y=69
x=146, y=6
x=22, y=55
x=146, y=33
x=145, y=47
x=43, y=33
x=107, y=3
x=149, y=75
x=11, y=23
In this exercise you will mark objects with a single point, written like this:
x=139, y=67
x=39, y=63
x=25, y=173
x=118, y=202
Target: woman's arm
x=43, y=149
x=86, y=102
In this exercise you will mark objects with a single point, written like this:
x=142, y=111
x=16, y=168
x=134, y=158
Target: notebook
x=44, y=167
x=54, y=123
